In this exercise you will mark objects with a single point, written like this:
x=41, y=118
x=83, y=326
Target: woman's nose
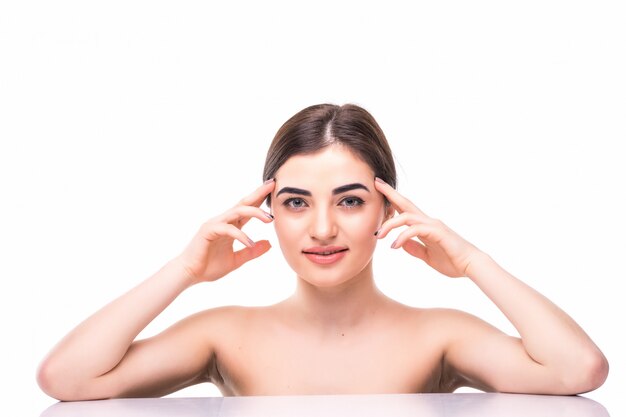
x=323, y=226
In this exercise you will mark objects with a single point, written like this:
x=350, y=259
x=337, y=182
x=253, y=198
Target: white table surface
x=388, y=405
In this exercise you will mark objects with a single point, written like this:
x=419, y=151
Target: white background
x=124, y=125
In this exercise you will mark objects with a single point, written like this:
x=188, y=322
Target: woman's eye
x=298, y=203
x=294, y=203
x=352, y=202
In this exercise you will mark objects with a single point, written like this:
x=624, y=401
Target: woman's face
x=326, y=211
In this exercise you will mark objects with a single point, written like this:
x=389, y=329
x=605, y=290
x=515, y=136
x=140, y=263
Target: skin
x=337, y=333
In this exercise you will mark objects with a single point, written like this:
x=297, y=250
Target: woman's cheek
x=355, y=232
x=287, y=230
x=366, y=223
x=279, y=227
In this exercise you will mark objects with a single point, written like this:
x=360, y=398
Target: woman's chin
x=326, y=279
x=325, y=283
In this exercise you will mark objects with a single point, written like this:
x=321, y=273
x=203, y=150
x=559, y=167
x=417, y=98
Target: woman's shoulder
x=229, y=318
x=437, y=319
x=227, y=314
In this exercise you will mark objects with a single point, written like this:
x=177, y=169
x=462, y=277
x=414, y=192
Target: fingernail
x=268, y=181
x=380, y=181
x=251, y=242
x=269, y=215
x=394, y=245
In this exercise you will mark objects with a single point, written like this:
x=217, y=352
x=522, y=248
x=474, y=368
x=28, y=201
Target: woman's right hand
x=210, y=255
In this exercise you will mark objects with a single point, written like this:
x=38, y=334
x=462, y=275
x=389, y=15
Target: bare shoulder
x=452, y=325
x=443, y=330
x=225, y=318
x=445, y=318
x=450, y=317
x=205, y=329
x=438, y=327
x=222, y=326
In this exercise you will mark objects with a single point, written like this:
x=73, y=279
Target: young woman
x=330, y=186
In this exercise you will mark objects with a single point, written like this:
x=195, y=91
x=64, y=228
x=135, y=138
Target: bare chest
x=274, y=362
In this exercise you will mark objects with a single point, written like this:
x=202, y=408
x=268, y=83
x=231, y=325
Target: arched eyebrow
x=338, y=190
x=349, y=187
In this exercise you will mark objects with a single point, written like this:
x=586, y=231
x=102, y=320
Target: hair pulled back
x=319, y=126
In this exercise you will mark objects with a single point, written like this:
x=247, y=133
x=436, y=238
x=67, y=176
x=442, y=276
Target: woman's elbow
x=56, y=383
x=49, y=381
x=591, y=372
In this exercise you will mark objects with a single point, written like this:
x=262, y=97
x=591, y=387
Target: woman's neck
x=339, y=307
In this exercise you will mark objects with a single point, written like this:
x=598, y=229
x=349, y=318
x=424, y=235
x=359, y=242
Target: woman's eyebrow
x=338, y=190
x=292, y=190
x=350, y=187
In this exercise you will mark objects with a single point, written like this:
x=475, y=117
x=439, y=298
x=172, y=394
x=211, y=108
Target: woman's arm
x=89, y=362
x=553, y=356
x=98, y=359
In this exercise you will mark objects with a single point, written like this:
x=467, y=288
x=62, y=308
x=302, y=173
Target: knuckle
x=208, y=225
x=244, y=201
x=414, y=217
x=408, y=217
x=438, y=223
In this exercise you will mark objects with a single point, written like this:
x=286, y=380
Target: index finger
x=397, y=200
x=258, y=196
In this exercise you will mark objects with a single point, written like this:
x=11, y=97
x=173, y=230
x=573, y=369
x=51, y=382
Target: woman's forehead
x=333, y=161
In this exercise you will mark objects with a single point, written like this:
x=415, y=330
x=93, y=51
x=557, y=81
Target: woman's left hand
x=439, y=246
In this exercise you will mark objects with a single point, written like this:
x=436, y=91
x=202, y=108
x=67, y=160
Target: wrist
x=182, y=272
x=477, y=260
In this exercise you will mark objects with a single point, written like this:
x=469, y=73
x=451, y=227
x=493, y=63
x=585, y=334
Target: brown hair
x=321, y=125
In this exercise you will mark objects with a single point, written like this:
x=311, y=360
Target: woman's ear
x=389, y=211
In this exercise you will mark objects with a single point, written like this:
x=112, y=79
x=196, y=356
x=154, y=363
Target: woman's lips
x=325, y=256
